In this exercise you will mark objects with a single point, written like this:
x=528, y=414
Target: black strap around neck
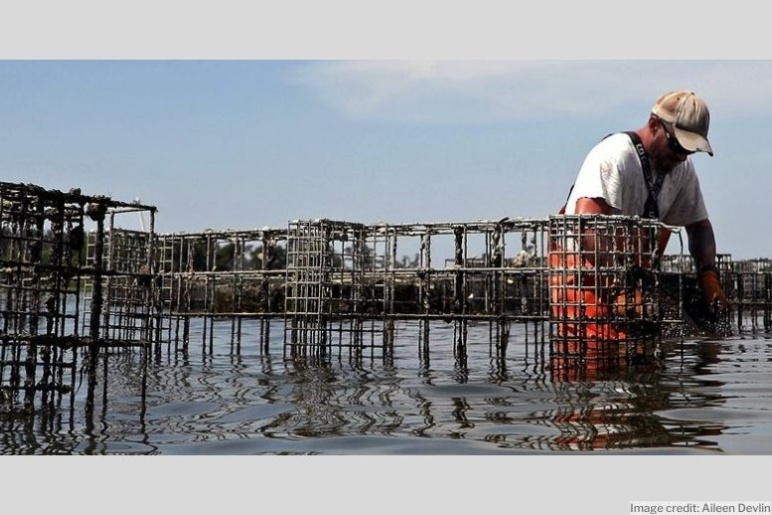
x=651, y=209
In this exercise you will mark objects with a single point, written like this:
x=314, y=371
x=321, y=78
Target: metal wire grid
x=750, y=287
x=122, y=291
x=43, y=276
x=339, y=272
x=605, y=292
x=345, y=276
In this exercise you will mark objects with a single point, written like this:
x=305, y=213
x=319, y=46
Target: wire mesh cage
x=605, y=296
x=121, y=291
x=326, y=264
x=74, y=275
x=46, y=272
x=223, y=273
x=750, y=286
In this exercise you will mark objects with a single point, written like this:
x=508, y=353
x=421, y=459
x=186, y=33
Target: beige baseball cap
x=689, y=116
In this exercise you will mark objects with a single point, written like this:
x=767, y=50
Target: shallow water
x=217, y=397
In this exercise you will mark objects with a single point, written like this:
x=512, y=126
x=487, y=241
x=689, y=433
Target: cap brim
x=692, y=141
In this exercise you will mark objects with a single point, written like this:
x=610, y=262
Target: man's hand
x=711, y=290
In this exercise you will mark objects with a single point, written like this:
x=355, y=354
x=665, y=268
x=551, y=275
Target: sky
x=245, y=144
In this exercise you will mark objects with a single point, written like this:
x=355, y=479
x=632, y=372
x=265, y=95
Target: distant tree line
x=214, y=256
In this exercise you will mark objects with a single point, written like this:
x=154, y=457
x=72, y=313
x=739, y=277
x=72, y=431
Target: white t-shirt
x=612, y=171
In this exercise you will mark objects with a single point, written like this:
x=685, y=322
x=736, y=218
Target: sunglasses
x=672, y=142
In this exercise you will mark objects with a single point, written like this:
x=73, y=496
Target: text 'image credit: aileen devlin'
x=637, y=507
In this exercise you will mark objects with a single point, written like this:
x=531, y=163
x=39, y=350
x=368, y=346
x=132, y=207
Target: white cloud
x=480, y=91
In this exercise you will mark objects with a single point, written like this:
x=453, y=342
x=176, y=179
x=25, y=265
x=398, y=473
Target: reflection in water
x=442, y=388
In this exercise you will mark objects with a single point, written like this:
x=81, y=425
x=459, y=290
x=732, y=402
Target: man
x=649, y=173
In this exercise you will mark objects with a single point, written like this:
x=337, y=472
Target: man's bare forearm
x=702, y=244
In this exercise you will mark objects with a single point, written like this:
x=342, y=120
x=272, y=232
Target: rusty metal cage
x=221, y=276
x=121, y=291
x=45, y=274
x=751, y=288
x=224, y=273
x=326, y=265
x=75, y=274
x=605, y=296
x=354, y=275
